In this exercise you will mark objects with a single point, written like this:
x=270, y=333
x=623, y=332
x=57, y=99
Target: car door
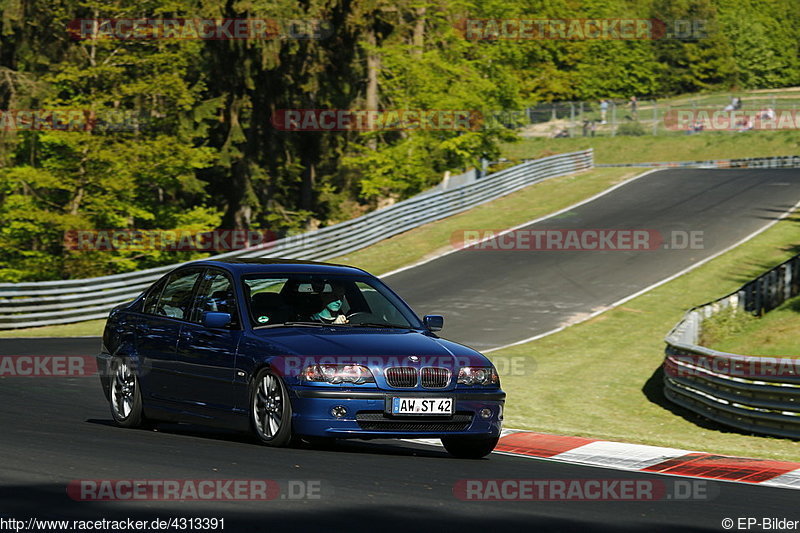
x=207, y=356
x=166, y=307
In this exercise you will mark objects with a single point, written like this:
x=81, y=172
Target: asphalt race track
x=56, y=430
x=492, y=298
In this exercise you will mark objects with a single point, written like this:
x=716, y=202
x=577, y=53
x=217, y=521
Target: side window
x=266, y=302
x=215, y=295
x=151, y=300
x=176, y=298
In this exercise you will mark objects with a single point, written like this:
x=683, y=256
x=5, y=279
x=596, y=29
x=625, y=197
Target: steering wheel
x=360, y=317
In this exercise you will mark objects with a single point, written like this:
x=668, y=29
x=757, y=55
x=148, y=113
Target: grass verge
x=626, y=149
x=584, y=381
x=434, y=238
x=774, y=334
x=89, y=328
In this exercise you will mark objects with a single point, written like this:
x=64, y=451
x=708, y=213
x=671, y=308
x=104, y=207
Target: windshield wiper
x=377, y=325
x=289, y=324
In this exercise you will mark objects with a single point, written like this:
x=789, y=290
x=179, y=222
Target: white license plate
x=422, y=406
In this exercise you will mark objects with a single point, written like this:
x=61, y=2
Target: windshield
x=277, y=300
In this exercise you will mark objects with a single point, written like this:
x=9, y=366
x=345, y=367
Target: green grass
x=597, y=378
x=412, y=246
x=774, y=334
x=78, y=329
x=785, y=97
x=725, y=323
x=714, y=145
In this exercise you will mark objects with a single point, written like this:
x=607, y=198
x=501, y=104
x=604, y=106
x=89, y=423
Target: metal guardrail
x=60, y=302
x=756, y=394
x=778, y=161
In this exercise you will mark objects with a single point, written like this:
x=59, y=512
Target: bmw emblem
x=413, y=358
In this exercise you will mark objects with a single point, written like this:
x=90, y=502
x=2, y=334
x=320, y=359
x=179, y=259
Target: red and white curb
x=642, y=458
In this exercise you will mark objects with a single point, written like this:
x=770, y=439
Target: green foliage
x=199, y=150
x=633, y=129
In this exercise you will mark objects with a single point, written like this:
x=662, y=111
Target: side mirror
x=216, y=320
x=433, y=322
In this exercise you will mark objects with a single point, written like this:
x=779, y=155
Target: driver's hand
x=341, y=319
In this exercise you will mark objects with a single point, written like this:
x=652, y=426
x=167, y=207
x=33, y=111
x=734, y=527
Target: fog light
x=339, y=411
x=486, y=413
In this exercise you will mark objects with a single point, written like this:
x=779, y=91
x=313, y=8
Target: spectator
x=603, y=110
x=736, y=103
x=696, y=127
x=744, y=125
x=634, y=108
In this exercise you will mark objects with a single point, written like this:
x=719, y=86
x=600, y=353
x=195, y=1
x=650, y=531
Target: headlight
x=356, y=374
x=478, y=375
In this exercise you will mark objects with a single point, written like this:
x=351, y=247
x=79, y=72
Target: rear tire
x=125, y=395
x=270, y=410
x=469, y=448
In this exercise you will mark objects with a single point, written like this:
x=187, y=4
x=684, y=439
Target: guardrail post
x=655, y=117
x=571, y=119
x=613, y=119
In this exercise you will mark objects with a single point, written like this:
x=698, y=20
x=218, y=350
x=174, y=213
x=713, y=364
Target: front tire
x=469, y=448
x=270, y=410
x=125, y=395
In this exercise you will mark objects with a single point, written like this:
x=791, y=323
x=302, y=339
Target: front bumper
x=366, y=418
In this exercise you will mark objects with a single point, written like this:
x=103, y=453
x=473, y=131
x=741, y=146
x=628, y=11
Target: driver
x=331, y=312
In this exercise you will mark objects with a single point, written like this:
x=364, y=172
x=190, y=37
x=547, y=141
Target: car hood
x=380, y=347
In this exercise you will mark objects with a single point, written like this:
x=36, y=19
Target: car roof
x=267, y=265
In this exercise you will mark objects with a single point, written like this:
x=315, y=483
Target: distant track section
x=493, y=296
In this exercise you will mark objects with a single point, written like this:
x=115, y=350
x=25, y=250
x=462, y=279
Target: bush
x=634, y=129
x=725, y=323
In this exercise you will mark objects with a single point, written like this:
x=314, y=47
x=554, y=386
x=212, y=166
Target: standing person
x=634, y=108
x=603, y=110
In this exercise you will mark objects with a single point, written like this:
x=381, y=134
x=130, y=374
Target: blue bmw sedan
x=295, y=350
